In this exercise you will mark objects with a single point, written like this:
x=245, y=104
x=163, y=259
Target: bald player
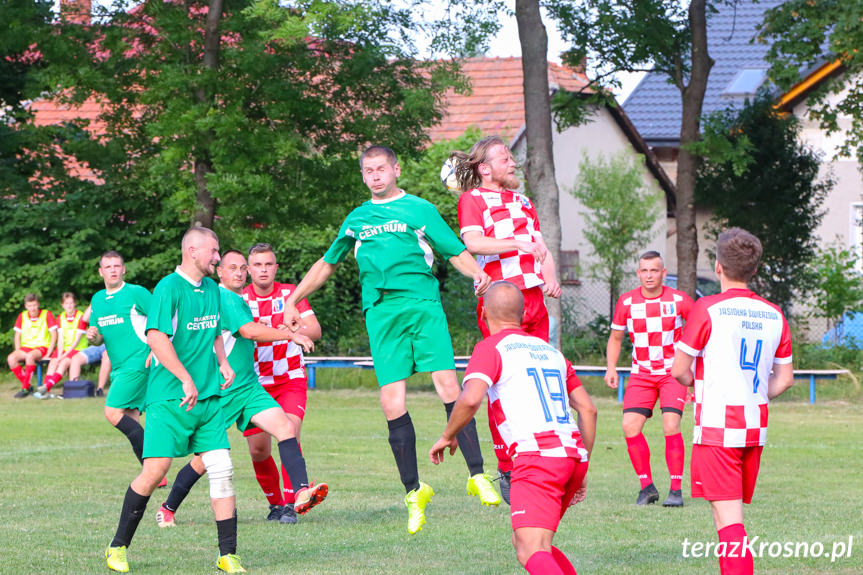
x=530, y=387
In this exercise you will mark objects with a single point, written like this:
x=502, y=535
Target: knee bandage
x=220, y=470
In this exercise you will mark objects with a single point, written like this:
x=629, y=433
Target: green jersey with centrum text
x=392, y=241
x=121, y=317
x=235, y=314
x=188, y=313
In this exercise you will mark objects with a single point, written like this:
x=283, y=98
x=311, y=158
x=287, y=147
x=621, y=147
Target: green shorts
x=407, y=336
x=171, y=431
x=128, y=389
x=243, y=404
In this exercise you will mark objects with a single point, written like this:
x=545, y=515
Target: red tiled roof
x=52, y=112
x=496, y=101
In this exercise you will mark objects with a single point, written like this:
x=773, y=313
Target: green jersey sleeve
x=343, y=244
x=162, y=314
x=235, y=313
x=142, y=300
x=439, y=234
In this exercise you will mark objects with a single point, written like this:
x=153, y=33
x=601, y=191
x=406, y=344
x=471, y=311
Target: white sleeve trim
x=782, y=360
x=466, y=229
x=479, y=376
x=618, y=327
x=687, y=350
x=307, y=313
x=16, y=328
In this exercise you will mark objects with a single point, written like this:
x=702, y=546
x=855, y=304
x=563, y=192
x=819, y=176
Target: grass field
x=64, y=470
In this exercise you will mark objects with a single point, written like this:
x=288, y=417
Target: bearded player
x=501, y=227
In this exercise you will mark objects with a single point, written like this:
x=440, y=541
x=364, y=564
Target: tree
x=661, y=36
x=620, y=214
x=539, y=167
x=839, y=289
x=805, y=34
x=758, y=176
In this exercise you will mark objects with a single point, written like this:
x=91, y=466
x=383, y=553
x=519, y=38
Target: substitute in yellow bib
x=71, y=328
x=35, y=337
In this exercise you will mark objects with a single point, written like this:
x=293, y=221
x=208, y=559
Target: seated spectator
x=70, y=341
x=35, y=337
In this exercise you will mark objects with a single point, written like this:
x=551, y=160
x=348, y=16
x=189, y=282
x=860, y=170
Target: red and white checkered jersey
x=736, y=337
x=529, y=384
x=280, y=361
x=503, y=215
x=654, y=326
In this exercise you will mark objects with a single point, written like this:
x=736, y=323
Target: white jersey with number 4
x=529, y=384
x=735, y=337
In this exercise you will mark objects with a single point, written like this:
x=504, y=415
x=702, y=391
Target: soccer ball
x=447, y=175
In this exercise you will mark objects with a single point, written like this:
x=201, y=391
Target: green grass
x=63, y=472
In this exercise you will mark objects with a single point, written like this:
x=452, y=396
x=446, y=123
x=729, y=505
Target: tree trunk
x=539, y=167
x=206, y=204
x=687, y=163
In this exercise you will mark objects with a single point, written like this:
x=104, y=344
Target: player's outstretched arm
x=580, y=401
x=681, y=369
x=467, y=404
x=465, y=264
x=166, y=355
x=612, y=354
x=266, y=334
x=317, y=275
x=780, y=380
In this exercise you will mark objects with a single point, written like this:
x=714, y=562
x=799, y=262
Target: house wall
x=843, y=205
x=602, y=136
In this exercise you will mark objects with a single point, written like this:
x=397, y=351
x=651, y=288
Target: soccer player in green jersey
x=393, y=235
x=246, y=403
x=118, y=316
x=182, y=402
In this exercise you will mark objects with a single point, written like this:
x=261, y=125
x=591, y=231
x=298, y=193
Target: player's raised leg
x=275, y=422
x=403, y=441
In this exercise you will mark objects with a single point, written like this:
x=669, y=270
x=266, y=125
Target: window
x=568, y=267
x=856, y=235
x=745, y=83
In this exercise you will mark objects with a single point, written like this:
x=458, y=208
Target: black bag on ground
x=78, y=388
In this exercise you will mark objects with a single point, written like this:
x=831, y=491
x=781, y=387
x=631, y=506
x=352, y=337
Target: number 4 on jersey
x=751, y=365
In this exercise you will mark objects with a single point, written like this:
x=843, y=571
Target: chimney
x=75, y=11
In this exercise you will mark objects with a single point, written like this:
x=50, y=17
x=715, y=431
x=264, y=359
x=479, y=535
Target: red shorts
x=535, y=318
x=724, y=473
x=70, y=355
x=42, y=350
x=542, y=489
x=643, y=390
x=291, y=395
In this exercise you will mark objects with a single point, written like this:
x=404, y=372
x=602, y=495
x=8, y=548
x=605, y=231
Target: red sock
x=737, y=559
x=639, y=454
x=674, y=451
x=504, y=461
x=562, y=562
x=28, y=373
x=268, y=478
x=52, y=380
x=18, y=371
x=543, y=563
